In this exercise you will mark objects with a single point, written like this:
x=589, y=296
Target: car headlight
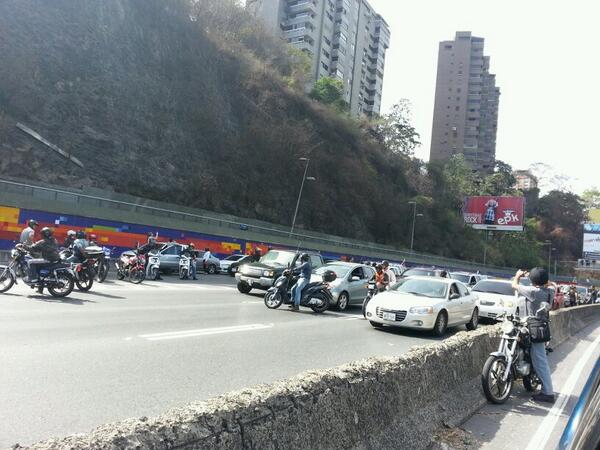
x=507, y=327
x=268, y=273
x=421, y=310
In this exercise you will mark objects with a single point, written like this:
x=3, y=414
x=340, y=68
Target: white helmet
x=71, y=233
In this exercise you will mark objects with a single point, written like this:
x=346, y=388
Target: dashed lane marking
x=205, y=332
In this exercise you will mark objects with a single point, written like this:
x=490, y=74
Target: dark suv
x=262, y=274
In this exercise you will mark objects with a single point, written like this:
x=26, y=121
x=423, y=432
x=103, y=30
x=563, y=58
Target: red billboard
x=495, y=213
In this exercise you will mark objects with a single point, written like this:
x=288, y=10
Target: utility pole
x=304, y=178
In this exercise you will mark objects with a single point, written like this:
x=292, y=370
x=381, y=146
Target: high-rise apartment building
x=526, y=181
x=465, y=117
x=345, y=39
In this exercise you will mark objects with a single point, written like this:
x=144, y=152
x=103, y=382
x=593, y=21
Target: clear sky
x=546, y=57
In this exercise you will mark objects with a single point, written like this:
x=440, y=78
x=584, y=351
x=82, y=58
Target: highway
x=123, y=350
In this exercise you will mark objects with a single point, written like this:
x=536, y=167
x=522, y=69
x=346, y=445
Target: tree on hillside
x=501, y=181
x=330, y=91
x=591, y=198
x=395, y=131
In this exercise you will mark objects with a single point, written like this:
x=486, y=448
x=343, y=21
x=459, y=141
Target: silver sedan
x=350, y=286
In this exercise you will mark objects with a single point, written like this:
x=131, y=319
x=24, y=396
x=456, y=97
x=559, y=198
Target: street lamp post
x=304, y=178
x=415, y=215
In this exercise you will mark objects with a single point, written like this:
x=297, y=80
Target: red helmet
x=93, y=237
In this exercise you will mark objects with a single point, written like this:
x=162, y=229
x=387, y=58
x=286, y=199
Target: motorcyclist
x=93, y=240
x=256, y=255
x=28, y=233
x=190, y=252
x=538, y=297
x=44, y=251
x=382, y=281
x=390, y=273
x=305, y=271
x=79, y=246
x=70, y=239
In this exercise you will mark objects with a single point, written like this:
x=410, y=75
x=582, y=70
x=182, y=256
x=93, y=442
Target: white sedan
x=497, y=297
x=425, y=303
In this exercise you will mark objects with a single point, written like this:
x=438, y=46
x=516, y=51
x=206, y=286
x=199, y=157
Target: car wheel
x=212, y=269
x=441, y=324
x=376, y=324
x=472, y=324
x=343, y=301
x=244, y=288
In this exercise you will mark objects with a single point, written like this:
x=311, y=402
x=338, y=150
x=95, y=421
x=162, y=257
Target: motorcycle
x=372, y=292
x=17, y=267
x=56, y=277
x=85, y=270
x=102, y=265
x=132, y=265
x=185, y=267
x=153, y=266
x=511, y=362
x=315, y=296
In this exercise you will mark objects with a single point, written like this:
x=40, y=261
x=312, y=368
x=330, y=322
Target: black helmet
x=47, y=232
x=304, y=257
x=32, y=223
x=539, y=276
x=81, y=234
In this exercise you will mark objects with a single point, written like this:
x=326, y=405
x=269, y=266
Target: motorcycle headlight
x=507, y=327
x=268, y=273
x=14, y=253
x=421, y=310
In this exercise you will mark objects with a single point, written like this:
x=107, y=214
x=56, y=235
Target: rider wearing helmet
x=93, y=240
x=70, y=239
x=539, y=298
x=190, y=252
x=79, y=246
x=44, y=251
x=305, y=271
x=28, y=233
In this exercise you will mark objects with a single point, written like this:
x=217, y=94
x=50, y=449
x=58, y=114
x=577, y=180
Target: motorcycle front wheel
x=7, y=279
x=63, y=285
x=323, y=306
x=154, y=273
x=273, y=299
x=85, y=281
x=496, y=390
x=183, y=275
x=364, y=306
x=136, y=276
x=102, y=272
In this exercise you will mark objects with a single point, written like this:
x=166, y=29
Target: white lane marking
x=540, y=438
x=252, y=302
x=344, y=315
x=204, y=332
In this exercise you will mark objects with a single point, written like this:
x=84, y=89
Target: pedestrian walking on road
x=206, y=258
x=539, y=297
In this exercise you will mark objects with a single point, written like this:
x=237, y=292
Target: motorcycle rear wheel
x=7, y=279
x=273, y=299
x=494, y=389
x=136, y=276
x=323, y=307
x=102, y=272
x=85, y=282
x=63, y=287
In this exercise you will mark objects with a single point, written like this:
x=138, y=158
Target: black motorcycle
x=372, y=292
x=511, y=362
x=315, y=296
x=56, y=277
x=84, y=271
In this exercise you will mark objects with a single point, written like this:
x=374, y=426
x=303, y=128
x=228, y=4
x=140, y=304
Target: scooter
x=185, y=267
x=153, y=267
x=315, y=296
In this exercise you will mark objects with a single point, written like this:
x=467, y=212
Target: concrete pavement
x=122, y=350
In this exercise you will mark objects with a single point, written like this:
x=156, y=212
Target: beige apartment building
x=345, y=39
x=465, y=117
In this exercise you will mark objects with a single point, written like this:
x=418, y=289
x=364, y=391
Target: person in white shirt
x=390, y=273
x=206, y=257
x=28, y=233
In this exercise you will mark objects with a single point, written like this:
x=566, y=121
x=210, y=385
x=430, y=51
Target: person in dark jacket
x=305, y=271
x=44, y=251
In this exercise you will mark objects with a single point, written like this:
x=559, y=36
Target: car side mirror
x=454, y=296
x=355, y=278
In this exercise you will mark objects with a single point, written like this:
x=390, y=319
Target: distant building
x=345, y=39
x=526, y=181
x=465, y=117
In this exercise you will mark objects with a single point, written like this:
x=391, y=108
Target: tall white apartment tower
x=345, y=39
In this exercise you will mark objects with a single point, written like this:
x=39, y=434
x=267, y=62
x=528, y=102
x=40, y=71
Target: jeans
x=193, y=269
x=539, y=358
x=297, y=290
x=34, y=267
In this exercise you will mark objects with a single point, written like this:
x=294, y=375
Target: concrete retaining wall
x=378, y=403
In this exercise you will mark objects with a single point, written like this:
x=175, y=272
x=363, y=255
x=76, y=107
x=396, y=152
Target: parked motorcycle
x=185, y=269
x=153, y=266
x=102, y=265
x=511, y=362
x=131, y=265
x=315, y=296
x=56, y=277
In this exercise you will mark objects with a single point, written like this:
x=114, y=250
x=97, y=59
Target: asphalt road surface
x=121, y=350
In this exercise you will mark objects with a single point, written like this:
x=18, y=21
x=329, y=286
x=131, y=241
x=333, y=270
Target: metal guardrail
x=87, y=200
x=583, y=429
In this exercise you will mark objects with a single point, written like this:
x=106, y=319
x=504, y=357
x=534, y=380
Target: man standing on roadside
x=206, y=258
x=539, y=298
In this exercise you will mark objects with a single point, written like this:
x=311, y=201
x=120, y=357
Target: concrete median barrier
x=377, y=403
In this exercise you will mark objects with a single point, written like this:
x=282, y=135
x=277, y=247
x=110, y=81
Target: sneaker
x=543, y=398
x=295, y=308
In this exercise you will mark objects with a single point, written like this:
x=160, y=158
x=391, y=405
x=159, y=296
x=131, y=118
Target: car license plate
x=234, y=270
x=389, y=316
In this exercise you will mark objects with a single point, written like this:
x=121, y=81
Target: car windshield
x=277, y=258
x=581, y=290
x=423, y=288
x=494, y=287
x=461, y=277
x=340, y=271
x=419, y=273
x=234, y=257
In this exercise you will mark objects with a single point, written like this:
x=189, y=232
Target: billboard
x=591, y=240
x=495, y=213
